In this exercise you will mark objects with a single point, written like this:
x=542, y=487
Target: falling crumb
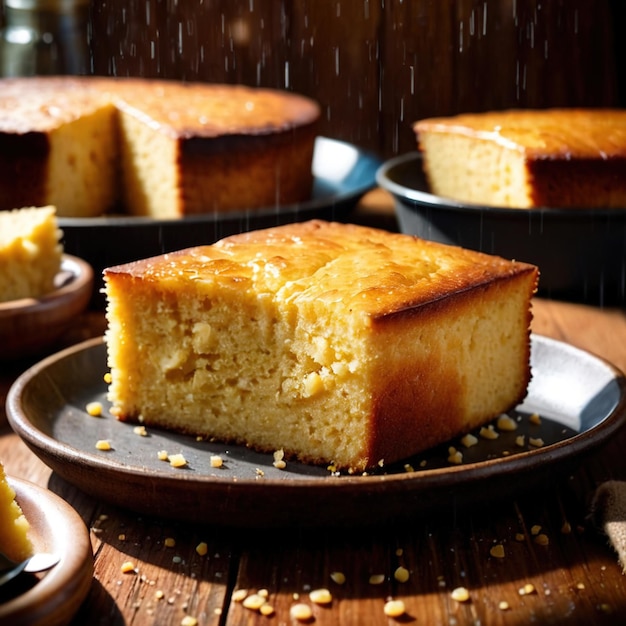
x=103, y=444
x=497, y=551
x=301, y=612
x=141, y=431
x=394, y=608
x=460, y=594
x=534, y=419
x=216, y=460
x=320, y=596
x=526, y=590
x=169, y=542
x=338, y=577
x=401, y=574
x=469, y=440
x=377, y=579
x=202, y=548
x=94, y=409
x=177, y=460
x=488, y=432
x=128, y=567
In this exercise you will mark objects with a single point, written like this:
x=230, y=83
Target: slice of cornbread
x=14, y=527
x=559, y=158
x=335, y=343
x=30, y=252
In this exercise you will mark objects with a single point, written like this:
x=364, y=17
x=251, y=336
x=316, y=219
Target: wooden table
x=576, y=578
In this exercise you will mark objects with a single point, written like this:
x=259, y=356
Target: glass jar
x=45, y=37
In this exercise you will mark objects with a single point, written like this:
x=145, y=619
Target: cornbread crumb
x=162, y=455
x=408, y=467
x=520, y=536
x=401, y=574
x=128, y=567
x=239, y=595
x=107, y=378
x=580, y=586
x=279, y=460
x=169, y=542
x=254, y=601
x=566, y=529
x=527, y=589
x=216, y=460
x=94, y=409
x=535, y=419
x=266, y=610
x=469, y=440
x=488, y=432
x=202, y=548
x=536, y=442
x=542, y=539
x=177, y=460
x=301, y=612
x=454, y=456
x=321, y=596
x=159, y=594
x=503, y=605
x=188, y=620
x=338, y=577
x=377, y=579
x=460, y=594
x=520, y=441
x=141, y=431
x=103, y=444
x=535, y=529
x=394, y=608
x=497, y=551
x=506, y=423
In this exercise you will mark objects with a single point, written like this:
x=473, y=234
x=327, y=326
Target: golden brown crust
x=542, y=134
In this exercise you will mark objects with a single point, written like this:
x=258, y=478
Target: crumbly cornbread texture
x=559, y=158
x=335, y=343
x=14, y=527
x=157, y=148
x=30, y=252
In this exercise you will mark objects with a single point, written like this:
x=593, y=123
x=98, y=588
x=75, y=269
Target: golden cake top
x=579, y=133
x=363, y=269
x=201, y=109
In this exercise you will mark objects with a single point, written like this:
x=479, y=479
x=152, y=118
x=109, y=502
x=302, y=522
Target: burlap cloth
x=608, y=514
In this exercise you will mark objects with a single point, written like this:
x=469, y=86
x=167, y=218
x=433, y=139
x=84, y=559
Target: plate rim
x=423, y=197
x=479, y=470
x=61, y=591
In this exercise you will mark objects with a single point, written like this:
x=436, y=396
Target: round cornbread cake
x=14, y=540
x=157, y=148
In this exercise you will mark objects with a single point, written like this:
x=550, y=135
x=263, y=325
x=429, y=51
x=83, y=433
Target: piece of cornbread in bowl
x=336, y=343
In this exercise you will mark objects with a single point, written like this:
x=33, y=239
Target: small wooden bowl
x=29, y=325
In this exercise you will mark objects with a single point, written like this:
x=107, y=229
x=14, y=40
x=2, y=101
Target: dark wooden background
x=375, y=66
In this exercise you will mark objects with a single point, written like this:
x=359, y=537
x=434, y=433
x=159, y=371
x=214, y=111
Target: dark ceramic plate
x=580, y=398
x=342, y=174
x=51, y=598
x=581, y=253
